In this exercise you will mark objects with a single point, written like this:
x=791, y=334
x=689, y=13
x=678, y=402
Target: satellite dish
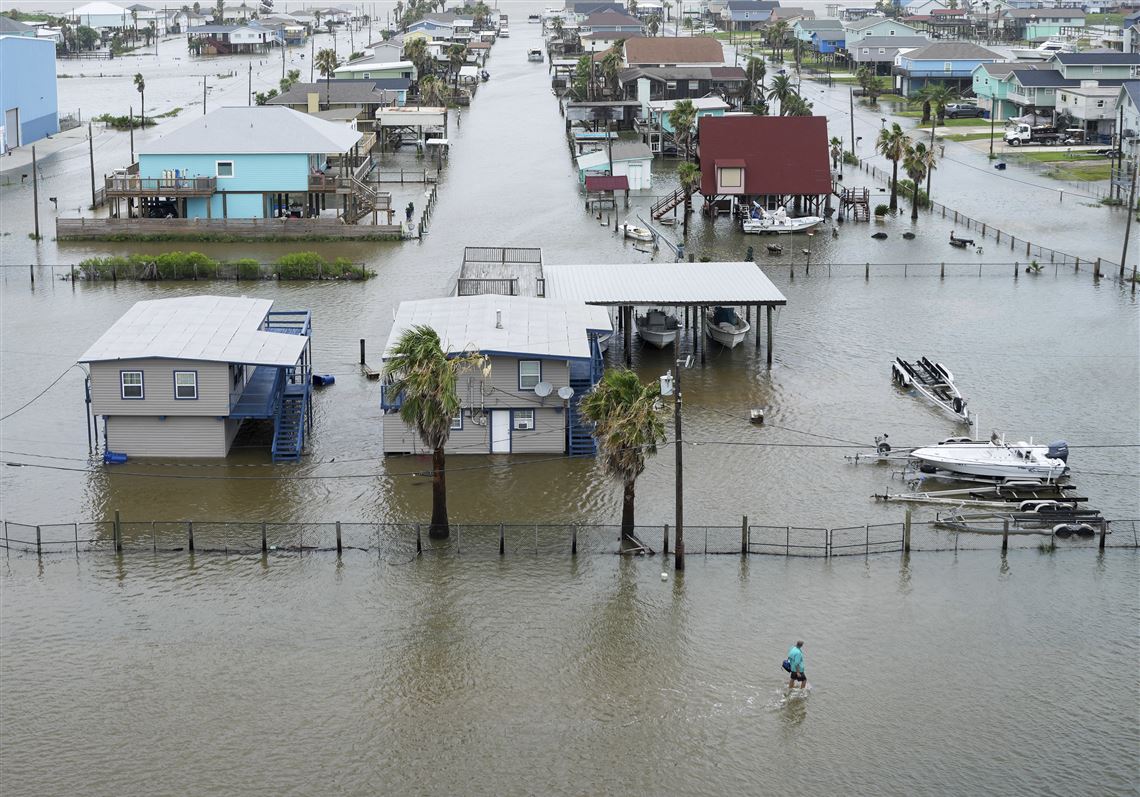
x=565, y=393
x=543, y=389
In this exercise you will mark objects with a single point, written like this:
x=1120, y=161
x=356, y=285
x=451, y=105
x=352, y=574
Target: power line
x=30, y=401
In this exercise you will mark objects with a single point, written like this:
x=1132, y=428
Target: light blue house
x=949, y=63
x=659, y=110
x=822, y=35
x=27, y=90
x=246, y=163
x=825, y=42
x=859, y=29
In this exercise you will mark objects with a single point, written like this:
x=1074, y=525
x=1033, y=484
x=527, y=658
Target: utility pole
x=131, y=127
x=282, y=56
x=1131, y=209
x=679, y=520
x=250, y=92
x=35, y=193
x=312, y=54
x=203, y=95
x=91, y=154
x=993, y=116
x=852, y=97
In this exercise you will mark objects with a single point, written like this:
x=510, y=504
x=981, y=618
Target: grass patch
x=973, y=136
x=168, y=115
x=1081, y=173
x=972, y=122
x=1062, y=156
x=124, y=122
x=197, y=266
x=1105, y=19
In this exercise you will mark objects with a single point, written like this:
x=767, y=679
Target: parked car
x=962, y=110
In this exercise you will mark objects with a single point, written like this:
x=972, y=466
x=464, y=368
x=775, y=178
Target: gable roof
x=593, y=7
x=209, y=328
x=1132, y=89
x=1104, y=58
x=791, y=12
x=673, y=50
x=98, y=9
x=612, y=18
x=892, y=41
x=504, y=325
x=783, y=154
x=952, y=51
x=13, y=27
x=1003, y=69
x=821, y=25
x=254, y=130
x=752, y=5
x=345, y=91
x=870, y=22
x=660, y=73
x=1045, y=13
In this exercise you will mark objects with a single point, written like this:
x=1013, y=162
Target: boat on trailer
x=636, y=233
x=934, y=382
x=658, y=328
x=534, y=54
x=726, y=327
x=995, y=460
x=761, y=222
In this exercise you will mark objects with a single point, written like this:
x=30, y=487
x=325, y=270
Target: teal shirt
x=796, y=658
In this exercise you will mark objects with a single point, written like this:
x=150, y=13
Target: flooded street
x=938, y=673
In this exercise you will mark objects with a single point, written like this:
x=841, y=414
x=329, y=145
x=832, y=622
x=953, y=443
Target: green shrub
x=300, y=265
x=906, y=189
x=247, y=268
x=850, y=159
x=882, y=210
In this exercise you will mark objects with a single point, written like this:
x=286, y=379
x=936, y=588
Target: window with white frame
x=131, y=384
x=523, y=420
x=457, y=422
x=694, y=85
x=530, y=374
x=948, y=66
x=225, y=168
x=882, y=51
x=185, y=385
x=867, y=50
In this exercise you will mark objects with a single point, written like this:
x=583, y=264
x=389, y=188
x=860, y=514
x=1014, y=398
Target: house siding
x=548, y=436
x=286, y=172
x=173, y=437
x=158, y=388
x=28, y=66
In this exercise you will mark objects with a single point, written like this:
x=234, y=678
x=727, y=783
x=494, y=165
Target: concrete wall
x=176, y=436
x=158, y=388
x=27, y=82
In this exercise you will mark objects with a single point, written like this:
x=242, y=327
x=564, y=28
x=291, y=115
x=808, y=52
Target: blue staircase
x=583, y=377
x=289, y=423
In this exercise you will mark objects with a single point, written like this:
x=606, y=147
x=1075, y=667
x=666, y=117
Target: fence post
x=1096, y=269
x=744, y=535
x=866, y=271
x=1004, y=536
x=1103, y=532
x=906, y=532
x=75, y=528
x=153, y=538
x=942, y=270
x=39, y=549
x=502, y=542
x=190, y=533
x=1077, y=266
x=665, y=541
x=264, y=540
x=866, y=540
x=338, y=543
x=574, y=541
x=117, y=533
x=787, y=540
x=362, y=351
x=1016, y=266
x=419, y=540
x=458, y=538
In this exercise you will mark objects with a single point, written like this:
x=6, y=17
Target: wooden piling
x=362, y=351
x=419, y=540
x=906, y=532
x=35, y=200
x=942, y=270
x=1004, y=536
x=1077, y=265
x=574, y=541
x=1103, y=532
x=264, y=540
x=665, y=541
x=744, y=536
x=39, y=547
x=769, y=350
x=1096, y=269
x=117, y=533
x=339, y=547
x=190, y=534
x=502, y=541
x=867, y=271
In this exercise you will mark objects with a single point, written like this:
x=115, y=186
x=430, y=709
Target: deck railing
x=130, y=185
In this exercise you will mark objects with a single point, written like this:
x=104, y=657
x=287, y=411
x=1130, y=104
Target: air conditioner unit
x=1128, y=132
x=525, y=424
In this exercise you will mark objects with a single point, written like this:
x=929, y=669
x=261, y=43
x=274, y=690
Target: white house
x=101, y=15
x=1128, y=101
x=1092, y=104
x=632, y=159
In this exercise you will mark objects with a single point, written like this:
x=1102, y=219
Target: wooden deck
x=501, y=270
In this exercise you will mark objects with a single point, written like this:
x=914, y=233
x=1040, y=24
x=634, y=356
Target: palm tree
x=627, y=427
x=654, y=24
x=140, y=85
x=781, y=90
x=611, y=65
x=891, y=144
x=456, y=56
x=425, y=377
x=755, y=71
x=836, y=145
x=683, y=118
x=917, y=163
x=780, y=37
x=557, y=28
x=327, y=63
x=431, y=90
x=689, y=174
x=796, y=106
x=939, y=95
x=416, y=51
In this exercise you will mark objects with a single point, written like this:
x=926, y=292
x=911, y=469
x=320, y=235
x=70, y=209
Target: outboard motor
x=1058, y=450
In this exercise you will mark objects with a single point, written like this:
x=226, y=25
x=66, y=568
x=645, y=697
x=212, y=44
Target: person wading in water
x=796, y=659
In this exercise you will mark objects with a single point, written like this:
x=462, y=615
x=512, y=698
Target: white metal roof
x=210, y=328
x=97, y=9
x=372, y=66
x=530, y=326
x=700, y=103
x=255, y=130
x=730, y=283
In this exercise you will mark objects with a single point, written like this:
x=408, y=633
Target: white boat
x=726, y=327
x=1043, y=51
x=761, y=222
x=934, y=382
x=534, y=18
x=657, y=328
x=995, y=459
x=636, y=233
x=534, y=54
x=504, y=32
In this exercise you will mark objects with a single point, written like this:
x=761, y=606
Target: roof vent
x=498, y=319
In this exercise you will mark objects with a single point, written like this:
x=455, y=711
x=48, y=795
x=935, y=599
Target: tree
x=627, y=427
x=683, y=120
x=796, y=106
x=431, y=90
x=780, y=91
x=416, y=51
x=580, y=87
x=689, y=174
x=456, y=57
x=140, y=86
x=755, y=71
x=86, y=37
x=891, y=144
x=611, y=65
x=425, y=379
x=327, y=63
x=939, y=95
x=219, y=12
x=780, y=37
x=289, y=80
x=836, y=145
x=557, y=28
x=633, y=8
x=868, y=81
x=653, y=24
x=917, y=163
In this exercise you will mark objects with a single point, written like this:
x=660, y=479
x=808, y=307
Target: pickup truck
x=1022, y=133
x=962, y=110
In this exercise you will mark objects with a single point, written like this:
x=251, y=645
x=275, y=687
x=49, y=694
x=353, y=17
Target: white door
x=12, y=127
x=500, y=431
x=633, y=171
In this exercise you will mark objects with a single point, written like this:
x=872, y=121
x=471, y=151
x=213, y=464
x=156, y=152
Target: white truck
x=1020, y=133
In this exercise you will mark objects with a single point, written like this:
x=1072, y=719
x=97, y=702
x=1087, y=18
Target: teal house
x=239, y=163
x=1102, y=65
x=1040, y=24
x=991, y=83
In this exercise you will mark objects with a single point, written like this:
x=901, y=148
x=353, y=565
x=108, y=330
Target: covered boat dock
x=694, y=286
